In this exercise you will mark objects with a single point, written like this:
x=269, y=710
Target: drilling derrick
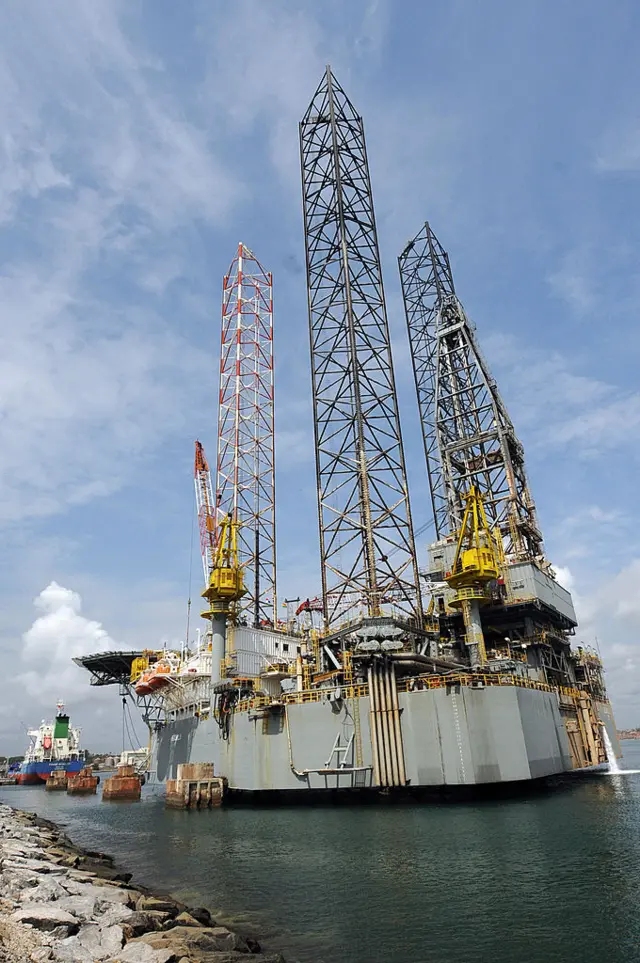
x=245, y=476
x=469, y=439
x=366, y=537
x=475, y=465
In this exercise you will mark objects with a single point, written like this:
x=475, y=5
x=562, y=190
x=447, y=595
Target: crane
x=207, y=522
x=224, y=590
x=476, y=563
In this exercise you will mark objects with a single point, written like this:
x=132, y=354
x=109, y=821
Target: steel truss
x=366, y=535
x=245, y=476
x=468, y=436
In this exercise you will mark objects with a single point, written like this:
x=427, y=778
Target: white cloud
x=58, y=635
x=560, y=408
x=574, y=285
x=564, y=577
x=609, y=611
x=95, y=185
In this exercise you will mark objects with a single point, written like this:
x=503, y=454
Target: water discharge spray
x=614, y=768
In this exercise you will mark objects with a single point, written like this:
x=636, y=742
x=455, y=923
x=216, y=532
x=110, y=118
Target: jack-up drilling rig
x=483, y=688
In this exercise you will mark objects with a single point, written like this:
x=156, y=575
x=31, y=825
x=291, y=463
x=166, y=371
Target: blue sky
x=142, y=141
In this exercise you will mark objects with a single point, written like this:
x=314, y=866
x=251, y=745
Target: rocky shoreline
x=59, y=902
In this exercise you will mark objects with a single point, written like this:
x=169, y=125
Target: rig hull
x=453, y=736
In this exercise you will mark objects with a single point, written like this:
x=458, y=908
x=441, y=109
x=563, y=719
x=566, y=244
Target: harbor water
x=552, y=877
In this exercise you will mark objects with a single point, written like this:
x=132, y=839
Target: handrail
x=408, y=685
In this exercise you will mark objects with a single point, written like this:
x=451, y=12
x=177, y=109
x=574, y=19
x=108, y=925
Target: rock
x=141, y=953
x=15, y=883
x=123, y=897
x=158, y=904
x=14, y=848
x=45, y=916
x=223, y=957
x=139, y=923
x=48, y=888
x=72, y=952
x=63, y=857
x=159, y=918
x=80, y=875
x=103, y=868
x=100, y=857
x=82, y=907
x=114, y=884
x=76, y=887
x=42, y=955
x=102, y=894
x=202, y=915
x=182, y=919
x=254, y=946
x=103, y=871
x=206, y=938
x=114, y=913
x=35, y=865
x=93, y=942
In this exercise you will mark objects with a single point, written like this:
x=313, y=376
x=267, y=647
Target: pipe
x=218, y=641
x=373, y=730
x=331, y=656
x=389, y=724
x=428, y=660
x=384, y=723
x=384, y=731
x=398, y=728
x=374, y=695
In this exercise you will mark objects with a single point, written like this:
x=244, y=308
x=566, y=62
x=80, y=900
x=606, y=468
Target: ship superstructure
x=398, y=676
x=52, y=746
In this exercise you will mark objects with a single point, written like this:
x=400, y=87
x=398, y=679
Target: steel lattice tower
x=468, y=436
x=245, y=476
x=366, y=535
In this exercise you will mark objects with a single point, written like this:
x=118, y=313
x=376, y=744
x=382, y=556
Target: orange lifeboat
x=156, y=677
x=141, y=686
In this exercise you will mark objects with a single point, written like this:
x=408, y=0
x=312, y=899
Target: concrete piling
x=196, y=787
x=57, y=780
x=126, y=785
x=83, y=782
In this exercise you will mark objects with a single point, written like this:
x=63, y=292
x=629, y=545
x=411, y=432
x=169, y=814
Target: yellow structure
x=476, y=563
x=226, y=584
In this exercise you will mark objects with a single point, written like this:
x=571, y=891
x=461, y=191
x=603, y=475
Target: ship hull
x=455, y=737
x=37, y=773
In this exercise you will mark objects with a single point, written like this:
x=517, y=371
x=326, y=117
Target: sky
x=141, y=141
